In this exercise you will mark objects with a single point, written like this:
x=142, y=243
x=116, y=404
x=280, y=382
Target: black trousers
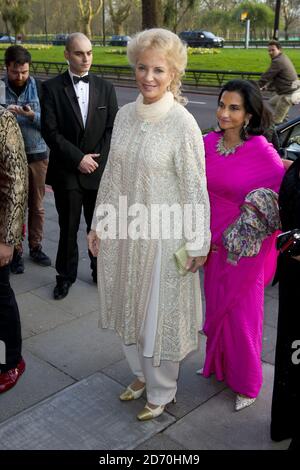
x=10, y=326
x=69, y=204
x=285, y=415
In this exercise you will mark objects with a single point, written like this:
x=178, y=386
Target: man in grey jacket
x=282, y=77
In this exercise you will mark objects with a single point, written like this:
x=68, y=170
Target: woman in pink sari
x=238, y=160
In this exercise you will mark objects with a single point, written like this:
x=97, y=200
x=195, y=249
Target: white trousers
x=161, y=382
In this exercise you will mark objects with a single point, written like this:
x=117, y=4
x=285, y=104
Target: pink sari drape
x=235, y=293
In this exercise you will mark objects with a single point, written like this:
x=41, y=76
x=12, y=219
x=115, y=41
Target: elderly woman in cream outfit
x=156, y=160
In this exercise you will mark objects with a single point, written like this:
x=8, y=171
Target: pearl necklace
x=222, y=150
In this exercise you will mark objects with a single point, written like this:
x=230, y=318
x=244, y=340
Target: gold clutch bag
x=181, y=258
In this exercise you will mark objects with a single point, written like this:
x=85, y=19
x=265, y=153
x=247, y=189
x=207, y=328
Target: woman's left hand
x=296, y=257
x=194, y=263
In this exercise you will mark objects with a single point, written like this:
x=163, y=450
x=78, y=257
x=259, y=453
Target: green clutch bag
x=181, y=258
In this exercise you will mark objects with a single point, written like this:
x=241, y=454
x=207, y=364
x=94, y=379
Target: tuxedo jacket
x=63, y=130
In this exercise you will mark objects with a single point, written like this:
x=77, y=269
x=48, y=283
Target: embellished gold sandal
x=148, y=413
x=130, y=394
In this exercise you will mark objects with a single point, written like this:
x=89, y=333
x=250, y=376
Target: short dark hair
x=261, y=116
x=17, y=54
x=275, y=43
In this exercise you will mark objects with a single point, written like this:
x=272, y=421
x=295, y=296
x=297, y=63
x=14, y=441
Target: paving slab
x=78, y=348
x=216, y=426
x=38, y=316
x=34, y=277
x=51, y=232
x=86, y=416
x=271, y=311
x=81, y=299
x=193, y=390
x=39, y=381
x=272, y=291
x=51, y=212
x=269, y=344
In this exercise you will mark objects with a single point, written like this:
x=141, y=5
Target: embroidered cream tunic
x=156, y=157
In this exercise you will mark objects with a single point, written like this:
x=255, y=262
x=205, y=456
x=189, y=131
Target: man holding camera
x=23, y=100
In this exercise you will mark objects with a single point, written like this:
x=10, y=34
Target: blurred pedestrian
x=282, y=77
x=13, y=199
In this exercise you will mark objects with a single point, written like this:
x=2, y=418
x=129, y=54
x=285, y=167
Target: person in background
x=285, y=414
x=239, y=160
x=13, y=200
x=156, y=160
x=23, y=100
x=78, y=112
x=283, y=78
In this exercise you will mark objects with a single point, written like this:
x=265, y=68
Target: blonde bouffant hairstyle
x=167, y=43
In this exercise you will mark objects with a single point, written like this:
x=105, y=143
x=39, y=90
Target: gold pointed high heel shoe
x=242, y=402
x=148, y=413
x=130, y=394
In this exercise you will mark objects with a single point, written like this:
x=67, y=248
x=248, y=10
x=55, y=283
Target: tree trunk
x=286, y=32
x=118, y=27
x=87, y=13
x=150, y=16
x=86, y=26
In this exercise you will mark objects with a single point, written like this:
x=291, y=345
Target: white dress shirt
x=82, y=93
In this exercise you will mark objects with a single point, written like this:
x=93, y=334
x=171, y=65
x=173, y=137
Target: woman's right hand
x=93, y=242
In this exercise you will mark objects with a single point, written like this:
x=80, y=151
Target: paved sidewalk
x=68, y=397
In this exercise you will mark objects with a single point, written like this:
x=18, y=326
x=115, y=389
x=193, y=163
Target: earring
x=246, y=124
x=217, y=127
x=244, y=130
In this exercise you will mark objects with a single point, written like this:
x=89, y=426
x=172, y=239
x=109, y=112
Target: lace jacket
x=156, y=158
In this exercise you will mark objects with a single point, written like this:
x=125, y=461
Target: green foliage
x=118, y=51
x=250, y=60
x=261, y=16
x=16, y=13
x=217, y=20
x=29, y=47
x=174, y=11
x=202, y=51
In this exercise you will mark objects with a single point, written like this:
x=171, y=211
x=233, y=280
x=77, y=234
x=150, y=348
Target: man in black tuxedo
x=78, y=111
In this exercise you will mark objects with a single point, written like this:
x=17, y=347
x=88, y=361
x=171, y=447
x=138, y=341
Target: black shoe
x=39, y=257
x=17, y=263
x=61, y=289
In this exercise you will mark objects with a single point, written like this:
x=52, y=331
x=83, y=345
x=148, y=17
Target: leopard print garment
x=13, y=179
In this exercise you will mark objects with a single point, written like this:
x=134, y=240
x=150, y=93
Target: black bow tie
x=77, y=79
